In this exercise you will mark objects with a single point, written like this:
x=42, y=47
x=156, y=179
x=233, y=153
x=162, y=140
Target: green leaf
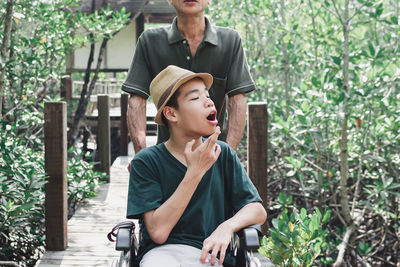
x=315, y=82
x=275, y=222
x=371, y=49
x=337, y=60
x=303, y=214
x=340, y=98
x=282, y=198
x=379, y=10
x=327, y=216
x=394, y=20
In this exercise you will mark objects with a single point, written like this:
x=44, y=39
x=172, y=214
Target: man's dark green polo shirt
x=220, y=54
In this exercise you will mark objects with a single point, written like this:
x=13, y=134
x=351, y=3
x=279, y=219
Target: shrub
x=83, y=181
x=22, y=180
x=295, y=239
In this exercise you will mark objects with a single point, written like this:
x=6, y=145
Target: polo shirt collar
x=175, y=36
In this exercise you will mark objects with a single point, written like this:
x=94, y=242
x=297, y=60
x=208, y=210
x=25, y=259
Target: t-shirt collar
x=210, y=35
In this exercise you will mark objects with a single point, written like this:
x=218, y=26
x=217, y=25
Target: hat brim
x=207, y=79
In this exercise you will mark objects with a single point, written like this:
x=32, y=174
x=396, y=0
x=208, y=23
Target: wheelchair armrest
x=123, y=241
x=249, y=236
x=122, y=235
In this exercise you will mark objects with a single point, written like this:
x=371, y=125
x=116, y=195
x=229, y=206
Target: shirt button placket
x=188, y=58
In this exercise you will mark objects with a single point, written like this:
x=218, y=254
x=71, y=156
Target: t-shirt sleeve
x=144, y=192
x=242, y=190
x=139, y=78
x=239, y=77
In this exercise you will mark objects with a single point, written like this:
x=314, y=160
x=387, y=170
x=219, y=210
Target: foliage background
x=42, y=34
x=294, y=49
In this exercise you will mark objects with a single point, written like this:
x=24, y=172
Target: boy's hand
x=203, y=157
x=216, y=243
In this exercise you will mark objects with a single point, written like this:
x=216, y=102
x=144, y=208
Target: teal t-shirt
x=224, y=189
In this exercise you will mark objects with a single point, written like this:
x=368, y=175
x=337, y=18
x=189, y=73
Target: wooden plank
x=257, y=149
x=66, y=88
x=104, y=134
x=123, y=141
x=55, y=131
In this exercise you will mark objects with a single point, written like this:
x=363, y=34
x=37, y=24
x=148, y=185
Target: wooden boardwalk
x=87, y=229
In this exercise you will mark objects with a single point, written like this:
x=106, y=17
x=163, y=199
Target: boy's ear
x=170, y=113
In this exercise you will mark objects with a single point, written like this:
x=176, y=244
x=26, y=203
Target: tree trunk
x=316, y=65
x=80, y=110
x=4, y=48
x=285, y=60
x=85, y=94
x=343, y=144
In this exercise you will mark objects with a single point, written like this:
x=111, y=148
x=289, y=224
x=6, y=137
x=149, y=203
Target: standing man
x=191, y=42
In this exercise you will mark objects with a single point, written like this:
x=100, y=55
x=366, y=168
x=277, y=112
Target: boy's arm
x=160, y=222
x=218, y=241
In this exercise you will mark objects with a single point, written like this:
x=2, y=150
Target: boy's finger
x=204, y=255
x=217, y=150
x=189, y=146
x=212, y=139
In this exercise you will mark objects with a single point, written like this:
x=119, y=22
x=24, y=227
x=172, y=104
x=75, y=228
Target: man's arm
x=160, y=222
x=218, y=241
x=236, y=119
x=137, y=121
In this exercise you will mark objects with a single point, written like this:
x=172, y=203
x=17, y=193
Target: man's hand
x=216, y=243
x=203, y=157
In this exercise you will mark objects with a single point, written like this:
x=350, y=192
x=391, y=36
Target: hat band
x=167, y=92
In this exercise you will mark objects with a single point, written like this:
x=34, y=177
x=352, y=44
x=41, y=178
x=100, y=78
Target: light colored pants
x=173, y=255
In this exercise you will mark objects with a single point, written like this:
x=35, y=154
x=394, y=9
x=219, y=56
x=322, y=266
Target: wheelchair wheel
x=253, y=261
x=115, y=263
x=122, y=261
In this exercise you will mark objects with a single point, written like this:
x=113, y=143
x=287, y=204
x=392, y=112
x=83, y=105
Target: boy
x=185, y=191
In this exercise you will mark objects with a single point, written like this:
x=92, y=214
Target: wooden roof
x=153, y=10
x=132, y=6
x=158, y=11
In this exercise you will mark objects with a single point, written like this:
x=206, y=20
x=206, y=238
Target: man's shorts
x=173, y=255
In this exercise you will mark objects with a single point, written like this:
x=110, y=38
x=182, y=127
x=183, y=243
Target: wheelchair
x=242, y=245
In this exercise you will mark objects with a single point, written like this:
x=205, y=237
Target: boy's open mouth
x=212, y=116
x=190, y=1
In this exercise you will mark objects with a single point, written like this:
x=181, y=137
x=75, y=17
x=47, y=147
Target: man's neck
x=192, y=27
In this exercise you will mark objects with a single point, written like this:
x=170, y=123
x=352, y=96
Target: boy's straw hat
x=168, y=81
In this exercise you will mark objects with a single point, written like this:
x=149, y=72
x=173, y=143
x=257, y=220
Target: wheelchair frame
x=123, y=234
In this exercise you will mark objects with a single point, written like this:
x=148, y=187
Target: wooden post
x=103, y=134
x=66, y=88
x=55, y=142
x=257, y=149
x=123, y=139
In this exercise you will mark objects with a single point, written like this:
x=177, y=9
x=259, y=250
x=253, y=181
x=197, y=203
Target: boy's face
x=196, y=114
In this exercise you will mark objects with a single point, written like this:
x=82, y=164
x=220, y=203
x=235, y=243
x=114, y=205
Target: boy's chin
x=208, y=132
